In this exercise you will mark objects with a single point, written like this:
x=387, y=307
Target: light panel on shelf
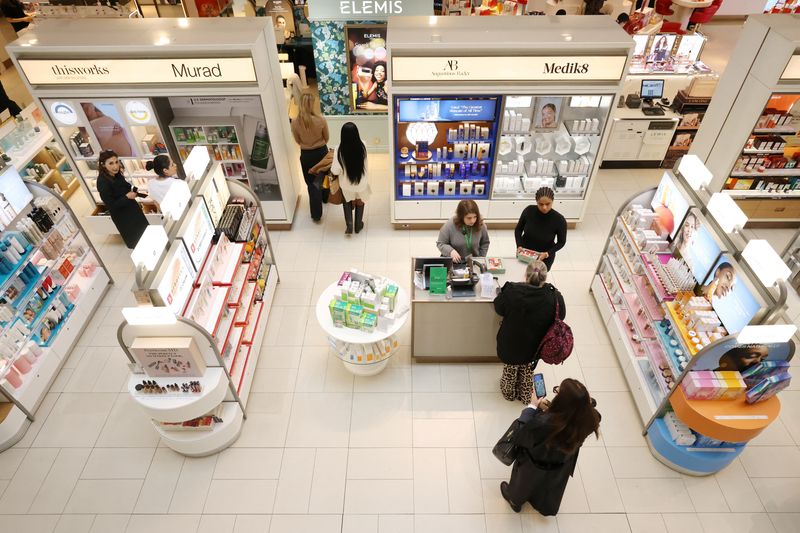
x=766, y=263
x=197, y=162
x=148, y=316
x=176, y=200
x=766, y=334
x=151, y=245
x=726, y=212
x=694, y=172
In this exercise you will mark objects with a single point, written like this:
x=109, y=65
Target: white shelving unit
x=20, y=404
x=228, y=329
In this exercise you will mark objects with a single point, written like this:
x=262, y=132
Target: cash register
x=652, y=90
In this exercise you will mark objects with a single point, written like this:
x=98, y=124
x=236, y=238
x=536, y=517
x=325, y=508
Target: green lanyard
x=468, y=237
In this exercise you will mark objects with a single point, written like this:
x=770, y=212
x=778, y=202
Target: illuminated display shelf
x=644, y=362
x=233, y=322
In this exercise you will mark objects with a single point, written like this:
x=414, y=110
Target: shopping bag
x=336, y=196
x=505, y=450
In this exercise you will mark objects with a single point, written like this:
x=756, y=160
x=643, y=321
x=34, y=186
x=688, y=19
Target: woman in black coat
x=528, y=310
x=120, y=199
x=548, y=445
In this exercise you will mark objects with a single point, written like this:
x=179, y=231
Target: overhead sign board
x=138, y=71
x=354, y=10
x=511, y=68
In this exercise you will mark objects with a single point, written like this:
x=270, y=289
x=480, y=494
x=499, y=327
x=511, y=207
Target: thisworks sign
x=517, y=68
x=138, y=71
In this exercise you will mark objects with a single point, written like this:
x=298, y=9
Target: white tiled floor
x=407, y=450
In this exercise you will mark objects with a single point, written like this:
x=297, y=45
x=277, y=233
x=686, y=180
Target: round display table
x=362, y=353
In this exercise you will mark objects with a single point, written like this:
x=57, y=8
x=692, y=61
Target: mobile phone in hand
x=539, y=386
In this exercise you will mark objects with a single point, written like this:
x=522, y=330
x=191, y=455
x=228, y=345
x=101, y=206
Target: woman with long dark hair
x=119, y=198
x=548, y=445
x=350, y=164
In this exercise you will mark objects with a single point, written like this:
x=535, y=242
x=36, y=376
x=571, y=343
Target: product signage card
x=367, y=9
x=138, y=71
x=696, y=246
x=435, y=110
x=730, y=296
x=197, y=232
x=732, y=356
x=438, y=282
x=670, y=206
x=366, y=62
x=516, y=68
x=168, y=356
x=174, y=282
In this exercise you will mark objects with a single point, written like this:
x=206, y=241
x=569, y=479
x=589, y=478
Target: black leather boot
x=359, y=218
x=348, y=217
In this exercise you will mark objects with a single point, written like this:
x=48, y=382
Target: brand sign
x=366, y=9
x=64, y=113
x=522, y=68
x=138, y=112
x=138, y=71
x=792, y=71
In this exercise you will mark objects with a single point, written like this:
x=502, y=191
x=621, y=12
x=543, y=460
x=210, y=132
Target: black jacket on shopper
x=528, y=312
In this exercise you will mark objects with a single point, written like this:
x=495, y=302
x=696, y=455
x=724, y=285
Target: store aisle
x=408, y=450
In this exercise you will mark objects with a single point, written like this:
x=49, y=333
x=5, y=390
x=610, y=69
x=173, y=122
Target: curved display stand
x=218, y=309
x=349, y=339
x=23, y=401
x=652, y=342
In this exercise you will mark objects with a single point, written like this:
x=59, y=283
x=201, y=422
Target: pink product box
x=73, y=292
x=701, y=388
x=344, y=278
x=87, y=269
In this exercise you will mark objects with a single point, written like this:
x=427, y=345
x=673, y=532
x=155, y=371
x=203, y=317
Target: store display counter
x=362, y=353
x=447, y=329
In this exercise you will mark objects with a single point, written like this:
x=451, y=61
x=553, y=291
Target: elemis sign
x=366, y=9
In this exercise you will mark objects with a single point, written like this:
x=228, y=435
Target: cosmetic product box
x=527, y=256
x=756, y=373
x=700, y=388
x=734, y=384
x=494, y=265
x=168, y=356
x=449, y=188
x=353, y=316
x=368, y=322
x=768, y=387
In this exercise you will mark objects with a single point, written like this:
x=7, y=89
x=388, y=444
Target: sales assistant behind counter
x=465, y=234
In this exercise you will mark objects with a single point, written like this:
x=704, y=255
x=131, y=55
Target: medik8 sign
x=487, y=68
x=138, y=71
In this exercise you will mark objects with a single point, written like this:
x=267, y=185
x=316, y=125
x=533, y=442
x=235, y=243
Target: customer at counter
x=528, y=310
x=541, y=228
x=465, y=234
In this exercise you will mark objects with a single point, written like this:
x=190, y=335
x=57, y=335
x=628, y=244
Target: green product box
x=338, y=312
x=391, y=293
x=354, y=313
x=369, y=322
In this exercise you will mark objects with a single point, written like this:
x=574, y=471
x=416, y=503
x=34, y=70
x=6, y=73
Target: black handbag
x=505, y=450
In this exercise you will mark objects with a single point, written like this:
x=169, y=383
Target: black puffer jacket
x=528, y=312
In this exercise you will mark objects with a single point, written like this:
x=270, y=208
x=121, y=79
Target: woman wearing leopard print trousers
x=528, y=310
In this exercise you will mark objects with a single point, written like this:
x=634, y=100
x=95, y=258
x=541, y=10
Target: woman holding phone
x=549, y=441
x=119, y=198
x=528, y=310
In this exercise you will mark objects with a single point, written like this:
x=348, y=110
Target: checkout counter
x=462, y=329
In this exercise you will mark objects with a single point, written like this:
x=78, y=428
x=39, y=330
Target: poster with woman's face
x=661, y=48
x=730, y=355
x=282, y=17
x=108, y=127
x=547, y=112
x=366, y=58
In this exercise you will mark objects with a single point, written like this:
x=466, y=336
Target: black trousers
x=309, y=158
x=549, y=261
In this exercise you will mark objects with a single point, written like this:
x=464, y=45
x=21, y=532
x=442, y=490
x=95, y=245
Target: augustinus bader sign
x=511, y=68
x=138, y=71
